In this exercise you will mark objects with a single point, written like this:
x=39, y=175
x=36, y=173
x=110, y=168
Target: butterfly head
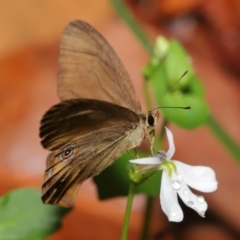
x=152, y=118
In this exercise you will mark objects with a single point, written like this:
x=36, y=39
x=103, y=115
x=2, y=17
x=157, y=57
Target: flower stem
x=146, y=90
x=147, y=217
x=131, y=193
x=224, y=138
x=127, y=16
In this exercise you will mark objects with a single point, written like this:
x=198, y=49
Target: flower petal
x=171, y=149
x=169, y=201
x=198, y=177
x=149, y=160
x=197, y=203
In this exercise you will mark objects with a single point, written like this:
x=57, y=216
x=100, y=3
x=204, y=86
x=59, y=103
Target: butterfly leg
x=135, y=154
x=152, y=138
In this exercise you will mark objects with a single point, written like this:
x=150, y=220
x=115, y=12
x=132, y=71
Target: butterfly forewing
x=89, y=68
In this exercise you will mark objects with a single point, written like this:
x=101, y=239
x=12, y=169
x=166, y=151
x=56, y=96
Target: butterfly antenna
x=170, y=89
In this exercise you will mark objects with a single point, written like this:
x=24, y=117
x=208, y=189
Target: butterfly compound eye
x=151, y=120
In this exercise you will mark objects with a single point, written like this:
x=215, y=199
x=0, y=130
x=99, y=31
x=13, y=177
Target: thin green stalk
x=131, y=193
x=224, y=138
x=127, y=16
x=147, y=218
x=146, y=90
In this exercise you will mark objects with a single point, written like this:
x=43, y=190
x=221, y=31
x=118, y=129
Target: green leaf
x=23, y=216
x=177, y=62
x=158, y=78
x=114, y=180
x=150, y=186
x=189, y=119
x=196, y=87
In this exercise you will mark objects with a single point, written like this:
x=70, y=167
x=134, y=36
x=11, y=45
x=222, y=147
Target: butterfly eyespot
x=67, y=152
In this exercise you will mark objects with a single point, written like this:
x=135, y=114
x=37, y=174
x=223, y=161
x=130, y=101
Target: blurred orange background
x=30, y=32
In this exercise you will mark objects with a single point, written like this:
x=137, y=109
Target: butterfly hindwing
x=76, y=157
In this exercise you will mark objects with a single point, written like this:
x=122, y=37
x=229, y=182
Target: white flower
x=176, y=178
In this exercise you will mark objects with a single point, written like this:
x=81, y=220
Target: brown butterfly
x=98, y=119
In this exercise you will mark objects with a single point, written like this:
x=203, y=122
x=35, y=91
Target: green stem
x=127, y=16
x=131, y=193
x=224, y=138
x=147, y=217
x=146, y=90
